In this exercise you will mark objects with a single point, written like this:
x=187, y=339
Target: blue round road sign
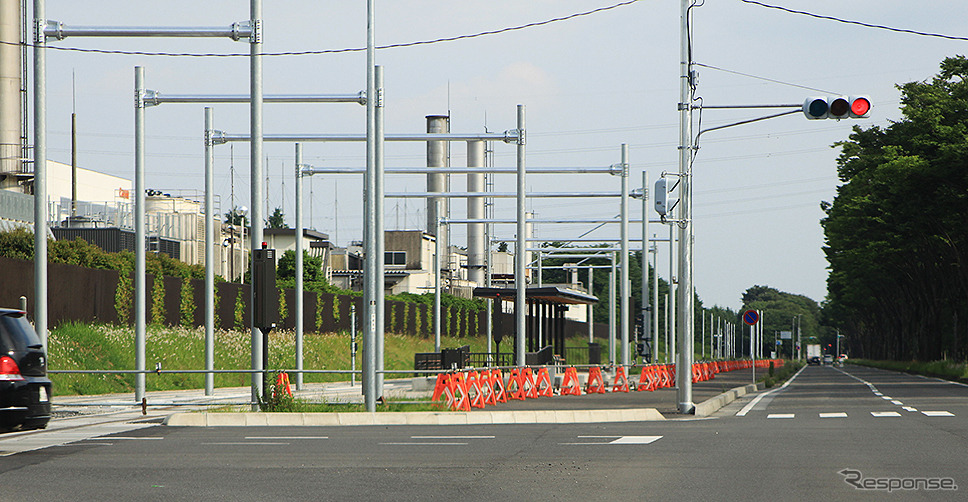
x=751, y=317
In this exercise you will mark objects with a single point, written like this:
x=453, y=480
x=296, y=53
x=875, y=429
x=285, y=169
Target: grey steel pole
x=300, y=328
x=437, y=246
x=591, y=318
x=40, y=172
x=520, y=245
x=256, y=177
x=370, y=279
x=475, y=209
x=671, y=327
x=686, y=293
x=668, y=327
x=624, y=271
x=378, y=229
x=644, y=306
x=655, y=303
x=209, y=254
x=540, y=323
x=612, y=275
x=139, y=239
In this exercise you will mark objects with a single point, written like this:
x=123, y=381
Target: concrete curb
x=205, y=419
x=712, y=405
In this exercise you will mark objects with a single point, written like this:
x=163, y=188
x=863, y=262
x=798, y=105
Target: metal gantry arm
x=44, y=30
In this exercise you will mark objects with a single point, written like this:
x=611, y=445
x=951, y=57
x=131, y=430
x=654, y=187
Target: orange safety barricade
x=543, y=383
x=460, y=400
x=531, y=389
x=487, y=387
x=570, y=386
x=515, y=388
x=443, y=382
x=596, y=384
x=621, y=380
x=282, y=385
x=647, y=379
x=497, y=382
x=475, y=389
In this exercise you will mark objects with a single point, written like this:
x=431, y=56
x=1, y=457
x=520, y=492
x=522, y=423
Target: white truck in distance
x=813, y=353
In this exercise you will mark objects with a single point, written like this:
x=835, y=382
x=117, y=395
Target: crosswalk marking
x=910, y=408
x=833, y=415
x=938, y=413
x=897, y=402
x=882, y=414
x=781, y=415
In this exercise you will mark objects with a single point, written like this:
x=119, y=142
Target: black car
x=814, y=361
x=24, y=386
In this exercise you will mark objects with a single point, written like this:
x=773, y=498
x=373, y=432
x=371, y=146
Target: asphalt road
x=790, y=444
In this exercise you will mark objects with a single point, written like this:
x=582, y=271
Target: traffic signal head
x=661, y=196
x=836, y=107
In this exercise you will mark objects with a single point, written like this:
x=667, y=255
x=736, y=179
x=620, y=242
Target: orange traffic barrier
x=531, y=389
x=477, y=395
x=459, y=398
x=497, y=382
x=570, y=386
x=515, y=388
x=443, y=382
x=543, y=383
x=282, y=385
x=596, y=384
x=621, y=380
x=648, y=379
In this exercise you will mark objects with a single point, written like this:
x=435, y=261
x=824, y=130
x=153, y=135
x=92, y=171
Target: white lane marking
x=451, y=437
x=781, y=415
x=882, y=414
x=910, y=408
x=285, y=437
x=878, y=394
x=618, y=440
x=86, y=443
x=938, y=413
x=746, y=409
x=897, y=402
x=636, y=440
x=839, y=414
x=246, y=443
x=122, y=438
x=886, y=398
x=425, y=444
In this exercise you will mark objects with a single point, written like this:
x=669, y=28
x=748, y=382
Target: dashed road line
x=910, y=408
x=415, y=443
x=938, y=413
x=883, y=414
x=781, y=415
x=284, y=437
x=451, y=437
x=833, y=415
x=617, y=440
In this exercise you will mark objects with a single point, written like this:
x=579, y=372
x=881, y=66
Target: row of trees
x=897, y=231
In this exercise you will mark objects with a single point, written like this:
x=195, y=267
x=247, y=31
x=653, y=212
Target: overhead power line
x=339, y=51
x=858, y=23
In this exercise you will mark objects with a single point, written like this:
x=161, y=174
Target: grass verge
x=76, y=346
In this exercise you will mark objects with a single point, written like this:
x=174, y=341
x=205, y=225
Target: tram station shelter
x=545, y=319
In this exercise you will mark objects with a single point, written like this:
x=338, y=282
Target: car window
x=16, y=334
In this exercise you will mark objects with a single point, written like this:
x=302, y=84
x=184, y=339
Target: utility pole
x=685, y=291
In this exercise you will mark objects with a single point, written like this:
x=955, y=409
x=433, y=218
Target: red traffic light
x=860, y=107
x=836, y=107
